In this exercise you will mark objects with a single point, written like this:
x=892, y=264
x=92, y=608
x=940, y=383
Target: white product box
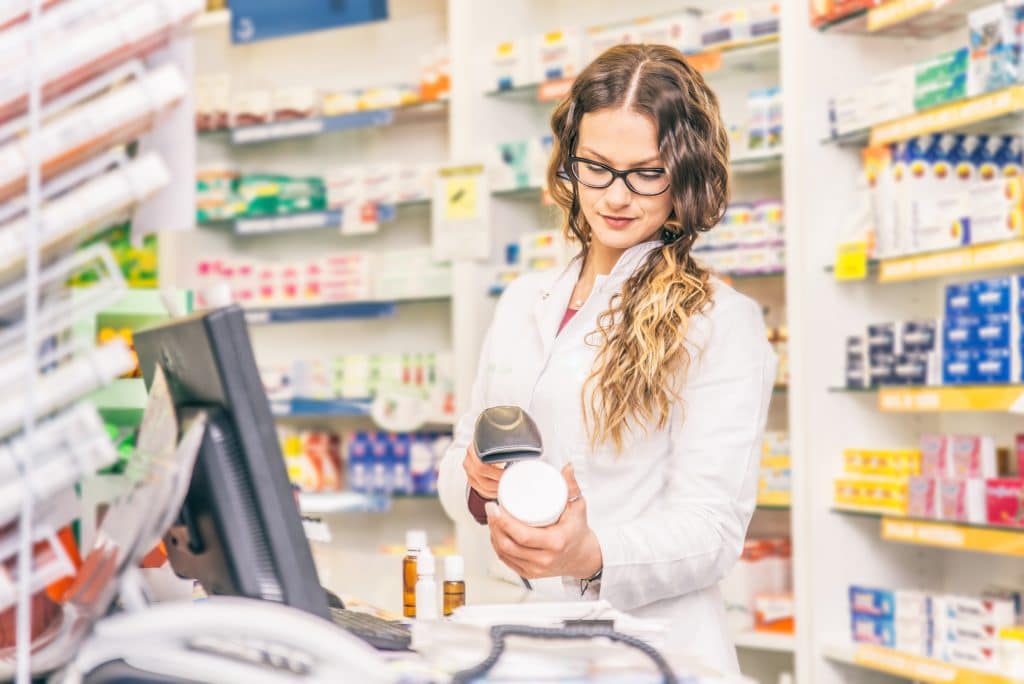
x=415, y=182
x=681, y=31
x=294, y=102
x=251, y=107
x=511, y=65
x=994, y=210
x=973, y=656
x=997, y=611
x=911, y=605
x=600, y=38
x=557, y=54
x=380, y=183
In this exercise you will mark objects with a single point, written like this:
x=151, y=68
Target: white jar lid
x=533, y=492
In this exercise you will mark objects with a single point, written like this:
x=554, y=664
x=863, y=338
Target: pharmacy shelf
x=908, y=666
x=311, y=220
x=969, y=114
x=320, y=408
x=959, y=536
x=949, y=262
x=765, y=641
x=908, y=18
x=749, y=275
x=320, y=125
x=966, y=398
x=756, y=55
x=332, y=311
x=326, y=503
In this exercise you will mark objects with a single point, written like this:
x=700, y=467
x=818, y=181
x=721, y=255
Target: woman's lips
x=617, y=222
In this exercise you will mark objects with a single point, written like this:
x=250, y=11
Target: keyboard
x=381, y=634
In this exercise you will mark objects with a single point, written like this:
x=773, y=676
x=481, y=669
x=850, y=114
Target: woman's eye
x=651, y=175
x=595, y=169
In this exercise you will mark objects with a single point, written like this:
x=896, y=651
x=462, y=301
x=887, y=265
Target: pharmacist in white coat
x=648, y=378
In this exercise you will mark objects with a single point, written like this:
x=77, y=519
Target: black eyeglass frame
x=616, y=174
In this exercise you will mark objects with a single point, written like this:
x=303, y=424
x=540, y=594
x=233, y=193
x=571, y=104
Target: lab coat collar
x=554, y=299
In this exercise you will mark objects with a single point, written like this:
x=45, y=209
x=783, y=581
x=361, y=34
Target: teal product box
x=942, y=68
x=870, y=601
x=870, y=629
x=941, y=93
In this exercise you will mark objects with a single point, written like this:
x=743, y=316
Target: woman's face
x=622, y=139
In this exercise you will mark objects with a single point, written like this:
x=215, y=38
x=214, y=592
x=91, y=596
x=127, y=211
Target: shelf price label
x=951, y=116
x=932, y=399
x=852, y=260
x=951, y=536
x=919, y=668
x=954, y=262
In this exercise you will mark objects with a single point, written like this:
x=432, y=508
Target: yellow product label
x=461, y=198
x=933, y=399
x=506, y=49
x=951, y=116
x=919, y=668
x=895, y=12
x=958, y=261
x=852, y=260
x=770, y=462
x=553, y=37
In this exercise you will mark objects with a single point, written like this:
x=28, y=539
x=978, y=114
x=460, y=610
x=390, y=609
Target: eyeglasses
x=644, y=181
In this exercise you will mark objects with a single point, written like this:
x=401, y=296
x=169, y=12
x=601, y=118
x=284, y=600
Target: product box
x=250, y=108
x=959, y=367
x=872, y=602
x=295, y=102
x=967, y=631
x=1003, y=499
x=994, y=211
x=953, y=500
x=916, y=369
x=511, y=65
x=881, y=339
x=995, y=295
x=922, y=500
x=920, y=336
x=870, y=629
x=966, y=608
x=911, y=605
x=971, y=656
x=973, y=456
x=774, y=612
x=994, y=47
x=680, y=30
x=958, y=301
x=998, y=331
x=997, y=366
x=557, y=54
x=936, y=207
x=939, y=92
x=960, y=333
x=600, y=38
x=936, y=455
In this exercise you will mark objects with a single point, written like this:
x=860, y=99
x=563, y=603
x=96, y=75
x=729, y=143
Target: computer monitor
x=239, y=532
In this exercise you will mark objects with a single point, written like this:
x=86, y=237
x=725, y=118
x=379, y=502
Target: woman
x=648, y=378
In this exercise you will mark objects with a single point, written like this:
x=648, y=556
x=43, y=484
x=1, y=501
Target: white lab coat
x=671, y=511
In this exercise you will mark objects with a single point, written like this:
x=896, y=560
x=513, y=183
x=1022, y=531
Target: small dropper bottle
x=454, y=584
x=415, y=543
x=426, y=587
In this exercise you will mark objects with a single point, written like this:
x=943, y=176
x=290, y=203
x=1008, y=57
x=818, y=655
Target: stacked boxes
x=774, y=486
x=902, y=353
x=390, y=464
x=938, y=192
x=758, y=592
x=313, y=459
x=877, y=479
x=749, y=239
x=957, y=629
x=982, y=332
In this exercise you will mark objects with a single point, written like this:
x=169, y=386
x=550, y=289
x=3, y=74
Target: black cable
x=500, y=632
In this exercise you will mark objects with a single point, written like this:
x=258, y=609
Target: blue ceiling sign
x=255, y=20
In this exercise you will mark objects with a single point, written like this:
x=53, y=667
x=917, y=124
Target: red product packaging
x=921, y=497
x=1003, y=501
x=936, y=457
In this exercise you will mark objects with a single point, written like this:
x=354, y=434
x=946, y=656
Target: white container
x=533, y=492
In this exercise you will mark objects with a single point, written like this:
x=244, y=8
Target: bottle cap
x=425, y=563
x=454, y=569
x=415, y=540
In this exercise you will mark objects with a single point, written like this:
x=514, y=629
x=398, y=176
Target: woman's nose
x=617, y=194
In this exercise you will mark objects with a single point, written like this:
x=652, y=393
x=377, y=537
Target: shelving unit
x=960, y=536
x=907, y=666
x=765, y=641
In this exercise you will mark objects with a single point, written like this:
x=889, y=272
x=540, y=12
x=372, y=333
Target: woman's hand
x=569, y=548
x=483, y=477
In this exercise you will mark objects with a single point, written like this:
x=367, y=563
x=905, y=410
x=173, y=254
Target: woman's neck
x=600, y=260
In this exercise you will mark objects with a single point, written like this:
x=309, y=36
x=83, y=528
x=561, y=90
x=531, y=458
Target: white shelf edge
x=765, y=641
x=842, y=652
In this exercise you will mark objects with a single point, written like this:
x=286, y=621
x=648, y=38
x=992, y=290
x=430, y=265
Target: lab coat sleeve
x=451, y=477
x=694, y=534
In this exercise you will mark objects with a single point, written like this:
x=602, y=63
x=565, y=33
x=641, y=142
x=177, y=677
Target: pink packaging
x=953, y=499
x=921, y=497
x=1003, y=501
x=973, y=456
x=1020, y=455
x=935, y=455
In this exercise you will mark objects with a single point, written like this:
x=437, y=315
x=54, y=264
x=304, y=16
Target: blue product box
x=911, y=368
x=881, y=370
x=995, y=295
x=380, y=481
x=958, y=367
x=997, y=330
x=871, y=629
x=882, y=339
x=996, y=366
x=959, y=333
x=422, y=467
x=920, y=336
x=869, y=601
x=401, y=481
x=958, y=300
x=358, y=463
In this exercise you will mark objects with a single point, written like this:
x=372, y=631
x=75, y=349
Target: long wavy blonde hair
x=642, y=357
